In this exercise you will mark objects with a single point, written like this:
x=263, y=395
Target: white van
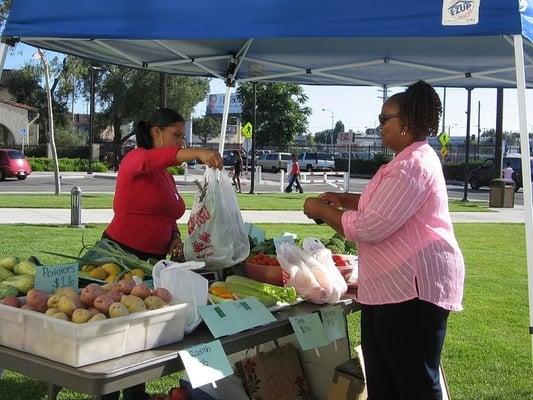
x=274, y=161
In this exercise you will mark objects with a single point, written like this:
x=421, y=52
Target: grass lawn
x=487, y=353
x=263, y=201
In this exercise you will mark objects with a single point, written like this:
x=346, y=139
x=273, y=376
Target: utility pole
x=478, y=124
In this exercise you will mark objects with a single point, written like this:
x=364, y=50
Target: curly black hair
x=420, y=109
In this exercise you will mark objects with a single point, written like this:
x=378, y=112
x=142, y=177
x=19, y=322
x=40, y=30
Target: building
x=17, y=121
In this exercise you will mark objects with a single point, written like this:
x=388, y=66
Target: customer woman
x=411, y=269
x=146, y=202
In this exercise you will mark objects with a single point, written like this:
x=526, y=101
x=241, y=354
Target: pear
x=97, y=317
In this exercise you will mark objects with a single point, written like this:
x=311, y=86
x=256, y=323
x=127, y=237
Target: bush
x=40, y=164
x=177, y=170
x=456, y=171
x=363, y=167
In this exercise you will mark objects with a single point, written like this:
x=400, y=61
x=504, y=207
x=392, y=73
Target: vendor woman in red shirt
x=146, y=202
x=411, y=269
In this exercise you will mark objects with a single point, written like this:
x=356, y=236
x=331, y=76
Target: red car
x=13, y=164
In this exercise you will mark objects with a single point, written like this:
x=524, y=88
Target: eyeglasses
x=383, y=118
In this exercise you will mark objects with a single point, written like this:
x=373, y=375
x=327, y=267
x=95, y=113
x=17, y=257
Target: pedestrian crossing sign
x=246, y=130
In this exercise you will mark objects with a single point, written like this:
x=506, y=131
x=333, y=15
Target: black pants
x=401, y=345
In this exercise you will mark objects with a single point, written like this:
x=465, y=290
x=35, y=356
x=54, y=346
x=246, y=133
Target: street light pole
x=332, y=125
x=93, y=70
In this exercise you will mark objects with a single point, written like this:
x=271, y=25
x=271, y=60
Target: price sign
x=334, y=322
x=235, y=316
x=49, y=278
x=205, y=363
x=309, y=331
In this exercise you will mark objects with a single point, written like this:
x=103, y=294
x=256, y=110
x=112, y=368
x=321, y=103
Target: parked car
x=313, y=161
x=274, y=161
x=482, y=176
x=13, y=164
x=228, y=157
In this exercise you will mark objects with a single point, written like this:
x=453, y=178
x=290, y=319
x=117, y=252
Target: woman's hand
x=335, y=200
x=176, y=249
x=313, y=207
x=211, y=158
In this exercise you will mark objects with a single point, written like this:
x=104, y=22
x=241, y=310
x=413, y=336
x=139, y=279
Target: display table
x=112, y=375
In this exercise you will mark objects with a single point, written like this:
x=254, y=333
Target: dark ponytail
x=160, y=118
x=420, y=109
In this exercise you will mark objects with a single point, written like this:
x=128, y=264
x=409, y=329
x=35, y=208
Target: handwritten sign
x=235, y=316
x=309, y=331
x=205, y=363
x=51, y=277
x=334, y=322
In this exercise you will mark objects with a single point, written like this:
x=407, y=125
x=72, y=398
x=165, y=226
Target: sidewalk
x=103, y=216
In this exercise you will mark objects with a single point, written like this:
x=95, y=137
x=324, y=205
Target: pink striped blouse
x=407, y=248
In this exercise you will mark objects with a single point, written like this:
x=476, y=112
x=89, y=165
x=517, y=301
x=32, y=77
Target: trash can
x=501, y=193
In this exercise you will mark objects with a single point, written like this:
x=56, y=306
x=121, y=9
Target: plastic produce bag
x=185, y=286
x=327, y=274
x=316, y=279
x=216, y=232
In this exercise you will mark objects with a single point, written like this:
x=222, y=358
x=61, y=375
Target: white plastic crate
x=83, y=344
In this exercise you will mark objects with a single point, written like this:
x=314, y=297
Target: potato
x=60, y=315
x=37, y=299
x=109, y=287
x=51, y=311
x=141, y=291
x=97, y=317
x=125, y=286
x=11, y=301
x=52, y=301
x=68, y=291
x=27, y=307
x=165, y=295
x=133, y=303
x=66, y=305
x=116, y=296
x=93, y=311
x=117, y=310
x=81, y=315
x=89, y=293
x=102, y=303
x=154, y=302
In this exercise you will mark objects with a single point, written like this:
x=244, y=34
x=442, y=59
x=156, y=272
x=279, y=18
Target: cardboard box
x=349, y=381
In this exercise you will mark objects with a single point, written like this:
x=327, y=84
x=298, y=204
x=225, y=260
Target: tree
x=206, y=128
x=281, y=113
x=325, y=135
x=127, y=94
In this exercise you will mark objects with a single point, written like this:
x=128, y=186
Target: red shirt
x=146, y=202
x=295, y=170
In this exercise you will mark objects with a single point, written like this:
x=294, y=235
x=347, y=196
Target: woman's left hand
x=176, y=248
x=313, y=207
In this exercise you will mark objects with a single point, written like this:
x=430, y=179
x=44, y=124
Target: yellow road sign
x=246, y=130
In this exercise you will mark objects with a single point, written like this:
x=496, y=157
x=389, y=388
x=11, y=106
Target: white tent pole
x=224, y=120
x=526, y=168
x=3, y=55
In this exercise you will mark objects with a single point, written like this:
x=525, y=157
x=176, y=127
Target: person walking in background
x=237, y=170
x=294, y=176
x=411, y=270
x=508, y=172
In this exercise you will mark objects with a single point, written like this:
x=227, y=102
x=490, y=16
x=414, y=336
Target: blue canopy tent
x=453, y=43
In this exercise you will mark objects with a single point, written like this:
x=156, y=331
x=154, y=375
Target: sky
x=358, y=107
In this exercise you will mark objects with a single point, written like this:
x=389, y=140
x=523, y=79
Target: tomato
x=178, y=394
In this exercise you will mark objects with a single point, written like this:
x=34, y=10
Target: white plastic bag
x=185, y=286
x=216, y=232
x=325, y=270
x=311, y=272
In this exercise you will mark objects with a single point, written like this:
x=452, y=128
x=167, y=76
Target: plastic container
x=264, y=273
x=83, y=344
x=349, y=272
